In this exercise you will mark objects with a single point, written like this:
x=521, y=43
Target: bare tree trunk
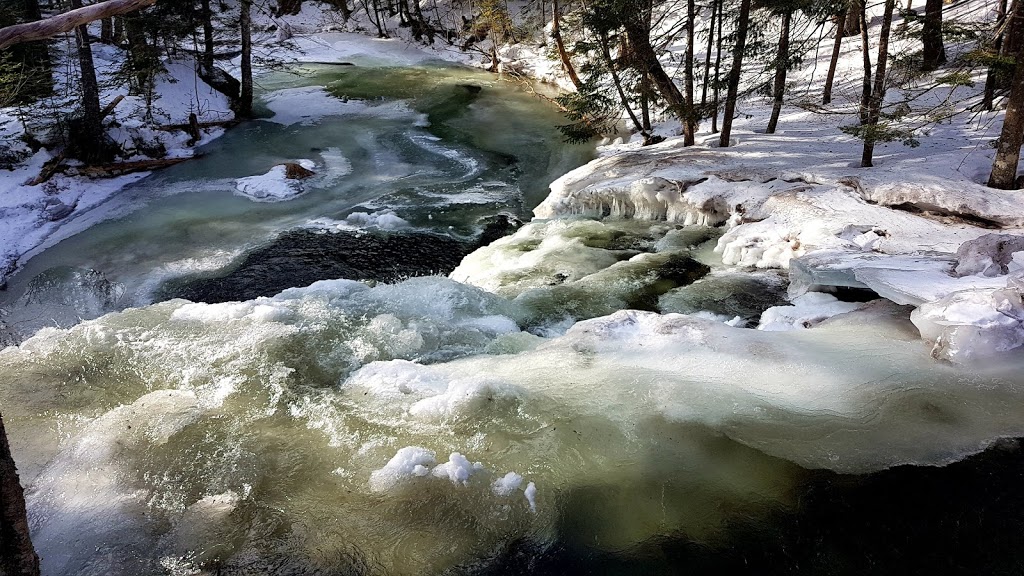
x=90, y=142
x=640, y=41
x=878, y=92
x=689, y=120
x=107, y=31
x=1004, y=168
x=990, y=78
x=734, y=74
x=852, y=26
x=607, y=56
x=17, y=557
x=244, y=108
x=718, y=67
x=208, y=49
x=556, y=33
x=934, y=51
x=865, y=50
x=707, y=59
x=836, y=47
x=781, y=65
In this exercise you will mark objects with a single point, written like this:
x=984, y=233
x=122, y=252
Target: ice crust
x=828, y=227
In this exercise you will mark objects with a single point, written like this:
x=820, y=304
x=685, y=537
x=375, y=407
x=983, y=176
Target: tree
x=877, y=93
x=742, y=23
x=781, y=67
x=563, y=54
x=244, y=105
x=17, y=557
x=1004, y=167
x=689, y=118
x=934, y=54
x=88, y=140
x=27, y=75
x=834, y=61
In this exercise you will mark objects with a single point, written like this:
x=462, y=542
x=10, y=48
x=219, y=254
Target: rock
x=54, y=209
x=990, y=255
x=294, y=171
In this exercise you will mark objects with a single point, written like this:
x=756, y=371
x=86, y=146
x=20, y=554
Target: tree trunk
x=689, y=120
x=734, y=74
x=865, y=50
x=91, y=141
x=556, y=33
x=639, y=39
x=836, y=47
x=17, y=557
x=991, y=78
x=878, y=92
x=607, y=56
x=707, y=60
x=244, y=107
x=718, y=67
x=107, y=31
x=852, y=26
x=1004, y=168
x=931, y=35
x=208, y=49
x=781, y=65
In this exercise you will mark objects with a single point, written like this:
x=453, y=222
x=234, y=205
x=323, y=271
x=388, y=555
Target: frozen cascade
x=308, y=408
x=537, y=395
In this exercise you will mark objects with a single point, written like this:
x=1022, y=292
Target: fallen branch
x=49, y=27
x=188, y=127
x=122, y=168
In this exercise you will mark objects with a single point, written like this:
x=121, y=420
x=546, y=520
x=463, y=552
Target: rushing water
x=510, y=419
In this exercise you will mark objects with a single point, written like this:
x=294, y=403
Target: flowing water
x=540, y=411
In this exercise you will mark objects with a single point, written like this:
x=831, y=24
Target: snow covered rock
x=805, y=311
x=989, y=255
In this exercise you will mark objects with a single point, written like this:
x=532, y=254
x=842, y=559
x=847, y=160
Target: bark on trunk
x=852, y=25
x=718, y=68
x=207, y=15
x=647, y=59
x=244, y=108
x=991, y=79
x=826, y=97
x=865, y=49
x=878, y=92
x=607, y=56
x=690, y=119
x=781, y=64
x=707, y=60
x=734, y=74
x=931, y=35
x=17, y=557
x=563, y=55
x=91, y=140
x=1004, y=168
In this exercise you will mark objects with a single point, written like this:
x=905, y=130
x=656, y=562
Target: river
x=322, y=404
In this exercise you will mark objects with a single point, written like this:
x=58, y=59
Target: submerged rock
x=301, y=257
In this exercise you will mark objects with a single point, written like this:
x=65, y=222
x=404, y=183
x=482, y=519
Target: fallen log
x=187, y=127
x=50, y=27
x=122, y=168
